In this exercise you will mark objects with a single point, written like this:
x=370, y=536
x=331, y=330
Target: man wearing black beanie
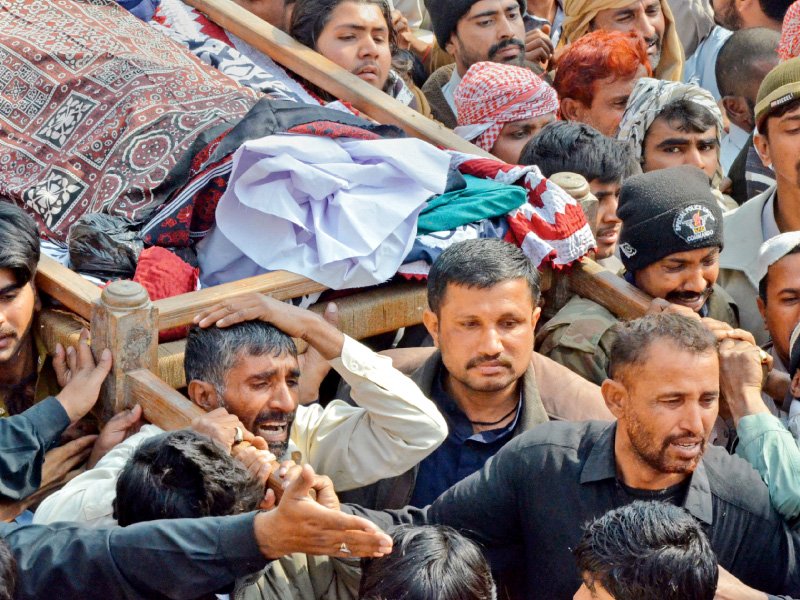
x=473, y=31
x=669, y=243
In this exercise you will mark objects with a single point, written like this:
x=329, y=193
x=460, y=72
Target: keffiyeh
x=493, y=94
x=789, y=46
x=648, y=98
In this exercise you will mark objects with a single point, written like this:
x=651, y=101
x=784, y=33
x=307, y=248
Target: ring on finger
x=238, y=437
x=344, y=549
x=764, y=356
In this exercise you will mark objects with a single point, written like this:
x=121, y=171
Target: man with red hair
x=595, y=76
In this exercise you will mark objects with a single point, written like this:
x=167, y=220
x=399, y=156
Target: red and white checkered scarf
x=789, y=46
x=493, y=94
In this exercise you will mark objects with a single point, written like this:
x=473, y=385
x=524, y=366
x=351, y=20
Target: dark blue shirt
x=461, y=454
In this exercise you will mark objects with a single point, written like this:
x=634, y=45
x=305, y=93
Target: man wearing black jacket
x=664, y=390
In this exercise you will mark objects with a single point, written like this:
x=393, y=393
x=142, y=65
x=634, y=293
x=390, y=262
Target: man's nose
x=695, y=281
x=369, y=47
x=695, y=158
x=644, y=26
x=283, y=399
x=491, y=344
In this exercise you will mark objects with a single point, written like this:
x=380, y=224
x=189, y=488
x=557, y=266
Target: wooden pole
x=329, y=76
x=124, y=321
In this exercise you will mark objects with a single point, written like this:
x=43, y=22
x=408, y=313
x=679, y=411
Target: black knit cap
x=664, y=212
x=445, y=15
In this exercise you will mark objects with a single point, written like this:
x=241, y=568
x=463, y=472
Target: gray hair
x=212, y=352
x=634, y=338
x=480, y=263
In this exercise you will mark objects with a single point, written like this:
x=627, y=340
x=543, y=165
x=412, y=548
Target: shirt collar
x=601, y=465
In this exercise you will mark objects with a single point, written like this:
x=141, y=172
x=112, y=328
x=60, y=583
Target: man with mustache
x=651, y=19
x=669, y=243
x=539, y=490
x=241, y=362
x=471, y=32
x=484, y=376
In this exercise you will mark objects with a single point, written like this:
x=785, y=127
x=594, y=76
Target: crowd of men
x=505, y=453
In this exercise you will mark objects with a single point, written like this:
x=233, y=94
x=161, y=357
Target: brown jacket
x=440, y=109
x=549, y=391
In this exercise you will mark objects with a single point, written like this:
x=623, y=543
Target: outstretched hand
x=301, y=524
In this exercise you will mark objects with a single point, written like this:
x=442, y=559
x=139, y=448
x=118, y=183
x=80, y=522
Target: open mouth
x=688, y=448
x=273, y=432
x=6, y=341
x=368, y=73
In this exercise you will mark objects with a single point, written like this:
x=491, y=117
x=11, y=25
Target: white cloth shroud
x=340, y=211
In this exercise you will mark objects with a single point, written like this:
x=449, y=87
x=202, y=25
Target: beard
x=655, y=58
x=729, y=17
x=655, y=454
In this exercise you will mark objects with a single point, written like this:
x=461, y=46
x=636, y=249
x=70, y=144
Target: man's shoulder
x=566, y=438
x=438, y=78
x=736, y=483
x=580, y=325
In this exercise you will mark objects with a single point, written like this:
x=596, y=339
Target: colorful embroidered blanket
x=97, y=109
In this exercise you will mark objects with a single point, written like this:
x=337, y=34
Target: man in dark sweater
x=664, y=390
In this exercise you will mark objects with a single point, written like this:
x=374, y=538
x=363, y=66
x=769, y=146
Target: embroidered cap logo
x=694, y=224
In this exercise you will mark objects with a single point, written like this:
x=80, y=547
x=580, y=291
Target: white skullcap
x=775, y=249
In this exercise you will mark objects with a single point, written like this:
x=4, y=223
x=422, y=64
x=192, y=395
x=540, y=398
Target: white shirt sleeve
x=392, y=429
x=88, y=498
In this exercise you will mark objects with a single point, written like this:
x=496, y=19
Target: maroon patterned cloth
x=100, y=112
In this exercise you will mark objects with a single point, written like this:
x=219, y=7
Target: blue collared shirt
x=461, y=454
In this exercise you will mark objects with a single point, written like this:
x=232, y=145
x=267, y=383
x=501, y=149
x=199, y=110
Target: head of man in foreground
x=251, y=370
x=664, y=390
x=482, y=297
x=646, y=551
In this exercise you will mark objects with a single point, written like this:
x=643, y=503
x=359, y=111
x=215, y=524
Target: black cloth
x=177, y=559
x=737, y=174
x=664, y=212
x=24, y=439
x=541, y=488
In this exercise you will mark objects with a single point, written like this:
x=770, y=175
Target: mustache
x=479, y=360
x=274, y=416
x=366, y=63
x=505, y=44
x=687, y=296
x=682, y=438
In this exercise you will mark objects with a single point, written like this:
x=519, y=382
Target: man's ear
x=738, y=112
x=203, y=394
x=537, y=312
x=572, y=109
x=450, y=46
x=762, y=308
x=37, y=300
x=431, y=322
x=615, y=395
x=761, y=144
x=794, y=387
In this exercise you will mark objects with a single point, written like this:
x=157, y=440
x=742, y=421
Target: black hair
x=648, y=551
x=480, y=263
x=578, y=148
x=212, y=352
x=19, y=251
x=8, y=572
x=736, y=68
x=634, y=338
x=182, y=474
x=688, y=116
x=428, y=563
x=762, y=285
x=775, y=9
